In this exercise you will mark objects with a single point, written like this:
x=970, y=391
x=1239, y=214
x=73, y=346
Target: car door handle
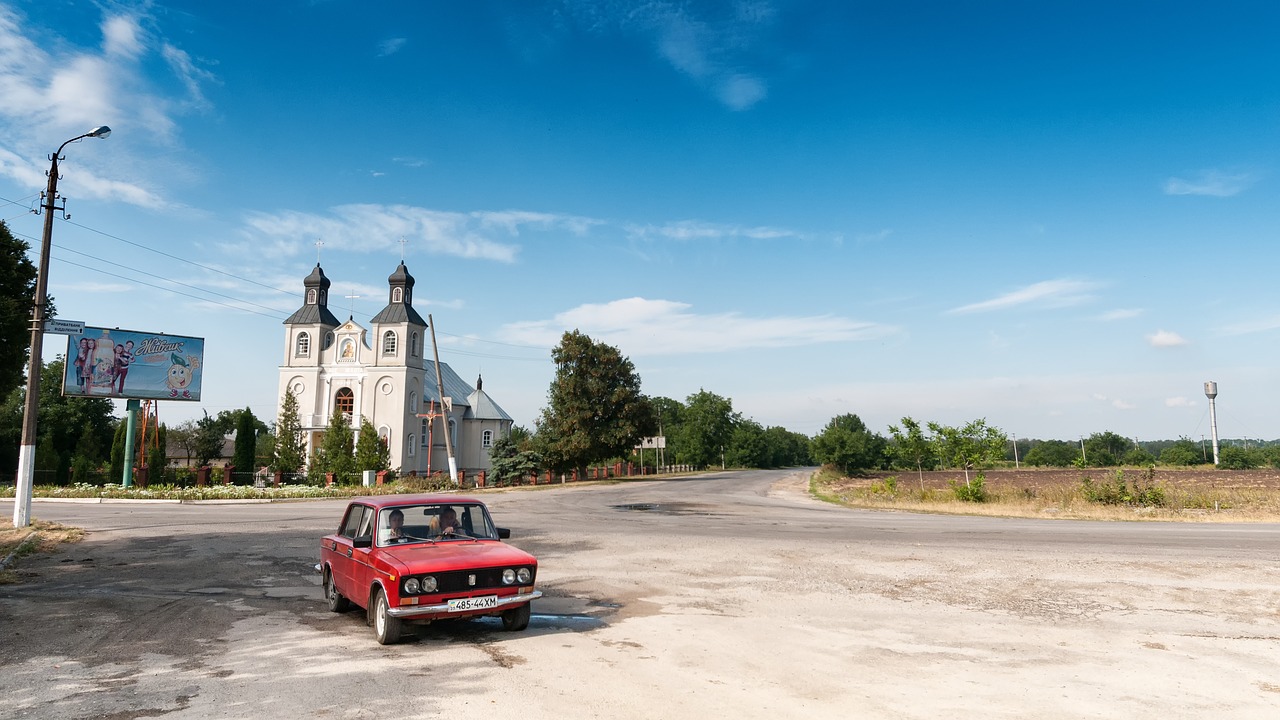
x=348, y=552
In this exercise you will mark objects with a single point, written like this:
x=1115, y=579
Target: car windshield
x=434, y=522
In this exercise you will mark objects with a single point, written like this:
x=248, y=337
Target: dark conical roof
x=400, y=305
x=317, y=310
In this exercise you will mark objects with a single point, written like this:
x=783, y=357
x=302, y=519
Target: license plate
x=484, y=602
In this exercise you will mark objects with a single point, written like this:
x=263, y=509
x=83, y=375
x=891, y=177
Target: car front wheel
x=385, y=628
x=337, y=603
x=517, y=619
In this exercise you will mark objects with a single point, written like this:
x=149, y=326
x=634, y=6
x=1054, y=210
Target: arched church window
x=486, y=439
x=453, y=432
x=344, y=401
x=397, y=295
x=311, y=297
x=304, y=345
x=328, y=341
x=413, y=344
x=411, y=445
x=389, y=343
x=413, y=402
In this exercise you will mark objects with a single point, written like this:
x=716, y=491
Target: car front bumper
x=408, y=611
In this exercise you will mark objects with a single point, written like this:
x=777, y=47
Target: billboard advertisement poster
x=110, y=362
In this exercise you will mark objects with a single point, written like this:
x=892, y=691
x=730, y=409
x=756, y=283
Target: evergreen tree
x=290, y=451
x=371, y=452
x=118, y=450
x=246, y=443
x=336, y=453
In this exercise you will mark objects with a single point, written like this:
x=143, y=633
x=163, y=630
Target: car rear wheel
x=517, y=619
x=337, y=603
x=385, y=628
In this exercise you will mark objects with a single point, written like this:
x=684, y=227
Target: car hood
x=455, y=555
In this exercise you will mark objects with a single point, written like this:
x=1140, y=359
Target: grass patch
x=1140, y=494
x=48, y=537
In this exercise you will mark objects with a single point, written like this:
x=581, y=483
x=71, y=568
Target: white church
x=383, y=375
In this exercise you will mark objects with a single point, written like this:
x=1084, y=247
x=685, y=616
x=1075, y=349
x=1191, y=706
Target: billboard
x=105, y=362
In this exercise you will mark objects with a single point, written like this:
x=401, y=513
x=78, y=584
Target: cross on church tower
x=402, y=242
x=319, y=242
x=352, y=297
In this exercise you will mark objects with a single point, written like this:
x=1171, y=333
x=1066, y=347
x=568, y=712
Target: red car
x=419, y=558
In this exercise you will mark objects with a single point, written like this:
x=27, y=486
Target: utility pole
x=448, y=441
x=1016, y=466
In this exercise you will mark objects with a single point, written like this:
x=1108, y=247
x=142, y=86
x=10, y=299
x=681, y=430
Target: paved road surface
x=731, y=595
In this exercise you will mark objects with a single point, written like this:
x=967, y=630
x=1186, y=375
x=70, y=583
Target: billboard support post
x=131, y=408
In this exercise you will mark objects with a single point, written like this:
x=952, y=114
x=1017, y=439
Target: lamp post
x=35, y=363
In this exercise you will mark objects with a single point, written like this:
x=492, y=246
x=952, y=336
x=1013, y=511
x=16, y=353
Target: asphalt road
x=728, y=595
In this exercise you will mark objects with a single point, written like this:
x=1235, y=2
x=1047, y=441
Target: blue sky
x=1057, y=216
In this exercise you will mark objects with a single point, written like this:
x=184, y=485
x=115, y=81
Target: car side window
x=366, y=524
x=357, y=518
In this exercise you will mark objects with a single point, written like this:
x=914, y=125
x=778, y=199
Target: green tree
x=912, y=447
x=290, y=448
x=118, y=450
x=17, y=288
x=1052, y=453
x=748, y=446
x=1139, y=457
x=371, y=452
x=87, y=455
x=786, y=448
x=969, y=447
x=336, y=453
x=208, y=441
x=1238, y=458
x=595, y=410
x=847, y=444
x=1182, y=452
x=246, y=427
x=705, y=430
x=509, y=464
x=1105, y=449
x=61, y=423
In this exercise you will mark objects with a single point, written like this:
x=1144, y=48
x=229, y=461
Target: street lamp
x=27, y=451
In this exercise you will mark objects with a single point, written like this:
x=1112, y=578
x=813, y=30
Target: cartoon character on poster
x=180, y=375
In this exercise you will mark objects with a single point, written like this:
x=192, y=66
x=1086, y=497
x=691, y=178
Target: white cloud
x=1120, y=314
x=875, y=237
x=1179, y=401
x=53, y=91
x=391, y=47
x=1122, y=405
x=700, y=230
x=639, y=327
x=1243, y=328
x=708, y=44
x=1214, y=183
x=408, y=162
x=1050, y=293
x=1166, y=339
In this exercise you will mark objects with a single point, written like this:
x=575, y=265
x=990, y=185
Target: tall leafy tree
x=1106, y=449
x=208, y=441
x=912, y=447
x=595, y=410
x=706, y=429
x=371, y=453
x=1053, y=453
x=17, y=287
x=968, y=447
x=748, y=446
x=847, y=444
x=61, y=423
x=290, y=449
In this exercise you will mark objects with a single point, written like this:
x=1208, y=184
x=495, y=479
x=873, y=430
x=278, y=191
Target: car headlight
x=524, y=576
x=411, y=586
x=428, y=584
x=508, y=576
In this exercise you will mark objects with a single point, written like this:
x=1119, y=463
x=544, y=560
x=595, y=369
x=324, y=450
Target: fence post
x=382, y=477
x=328, y=479
x=480, y=479
x=226, y=474
x=202, y=475
x=277, y=477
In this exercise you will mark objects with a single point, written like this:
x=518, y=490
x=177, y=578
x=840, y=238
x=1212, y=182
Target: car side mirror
x=365, y=541
x=504, y=533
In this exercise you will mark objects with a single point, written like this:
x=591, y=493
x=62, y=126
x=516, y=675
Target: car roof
x=381, y=501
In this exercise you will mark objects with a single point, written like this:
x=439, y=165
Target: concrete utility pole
x=448, y=441
x=35, y=363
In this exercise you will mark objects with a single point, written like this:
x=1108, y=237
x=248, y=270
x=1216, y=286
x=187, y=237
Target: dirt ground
x=1046, y=478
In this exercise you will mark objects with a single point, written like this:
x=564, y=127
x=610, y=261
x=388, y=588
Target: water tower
x=1211, y=392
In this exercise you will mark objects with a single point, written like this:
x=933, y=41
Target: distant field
x=1194, y=494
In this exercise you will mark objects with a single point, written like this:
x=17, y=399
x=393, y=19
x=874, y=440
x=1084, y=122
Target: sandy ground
x=730, y=596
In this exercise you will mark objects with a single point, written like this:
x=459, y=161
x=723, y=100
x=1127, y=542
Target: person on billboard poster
x=123, y=359
x=86, y=368
x=82, y=356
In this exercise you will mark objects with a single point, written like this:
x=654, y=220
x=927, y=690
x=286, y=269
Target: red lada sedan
x=418, y=558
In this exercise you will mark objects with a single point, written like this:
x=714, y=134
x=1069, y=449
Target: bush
x=888, y=486
x=975, y=491
x=1141, y=493
x=1236, y=458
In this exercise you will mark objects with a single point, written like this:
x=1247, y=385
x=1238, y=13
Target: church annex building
x=383, y=375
